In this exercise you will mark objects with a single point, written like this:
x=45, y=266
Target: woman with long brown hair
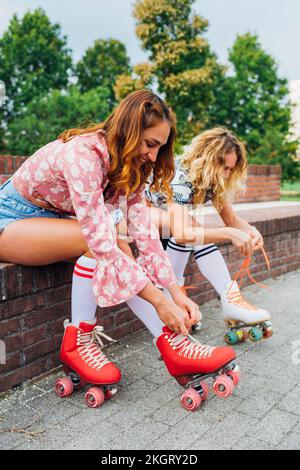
x=84, y=174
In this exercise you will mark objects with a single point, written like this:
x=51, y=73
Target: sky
x=277, y=23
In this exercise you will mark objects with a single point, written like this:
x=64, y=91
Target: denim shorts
x=14, y=207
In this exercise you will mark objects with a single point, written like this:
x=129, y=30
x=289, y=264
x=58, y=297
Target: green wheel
x=255, y=334
x=231, y=337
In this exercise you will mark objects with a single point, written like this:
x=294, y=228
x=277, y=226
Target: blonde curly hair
x=204, y=161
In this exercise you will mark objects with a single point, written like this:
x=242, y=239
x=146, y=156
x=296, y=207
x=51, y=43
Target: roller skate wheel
x=191, y=400
x=231, y=337
x=255, y=334
x=94, y=397
x=234, y=375
x=267, y=330
x=205, y=390
x=64, y=387
x=223, y=386
x=268, y=333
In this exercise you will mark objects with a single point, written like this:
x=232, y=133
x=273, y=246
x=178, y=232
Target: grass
x=290, y=191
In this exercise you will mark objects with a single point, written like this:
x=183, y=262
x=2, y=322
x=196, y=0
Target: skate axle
x=95, y=395
x=197, y=379
x=238, y=331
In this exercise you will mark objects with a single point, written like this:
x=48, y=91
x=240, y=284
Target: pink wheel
x=205, y=389
x=235, y=376
x=223, y=386
x=94, y=397
x=190, y=400
x=64, y=387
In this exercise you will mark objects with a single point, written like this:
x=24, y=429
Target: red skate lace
x=89, y=347
x=190, y=347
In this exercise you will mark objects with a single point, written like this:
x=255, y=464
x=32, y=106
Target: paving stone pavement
x=262, y=413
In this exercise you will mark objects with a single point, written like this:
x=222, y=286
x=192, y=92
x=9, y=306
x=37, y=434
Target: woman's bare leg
x=39, y=241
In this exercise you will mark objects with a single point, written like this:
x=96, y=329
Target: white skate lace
x=190, y=347
x=89, y=347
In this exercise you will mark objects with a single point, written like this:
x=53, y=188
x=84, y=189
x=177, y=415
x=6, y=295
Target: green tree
x=101, y=65
x=46, y=117
x=183, y=64
x=254, y=102
x=34, y=59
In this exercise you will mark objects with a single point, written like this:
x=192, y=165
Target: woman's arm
x=187, y=230
x=179, y=316
x=231, y=219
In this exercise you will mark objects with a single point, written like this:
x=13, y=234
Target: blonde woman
x=213, y=169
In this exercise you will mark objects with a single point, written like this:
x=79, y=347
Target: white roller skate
x=243, y=319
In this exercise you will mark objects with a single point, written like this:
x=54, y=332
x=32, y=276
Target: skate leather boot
x=84, y=362
x=191, y=363
x=236, y=307
x=80, y=351
x=243, y=319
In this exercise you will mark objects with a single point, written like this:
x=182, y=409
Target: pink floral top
x=70, y=178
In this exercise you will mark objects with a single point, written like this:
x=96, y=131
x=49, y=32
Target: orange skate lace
x=184, y=289
x=89, y=347
x=236, y=297
x=190, y=347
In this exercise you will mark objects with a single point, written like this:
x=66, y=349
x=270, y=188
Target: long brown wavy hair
x=204, y=161
x=123, y=134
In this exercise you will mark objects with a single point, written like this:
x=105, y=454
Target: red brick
x=2, y=164
x=18, y=376
x=42, y=348
x=125, y=316
x=46, y=314
x=9, y=326
x=13, y=361
x=11, y=308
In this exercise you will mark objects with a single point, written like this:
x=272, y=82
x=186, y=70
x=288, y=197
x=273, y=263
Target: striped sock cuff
x=175, y=246
x=82, y=271
x=205, y=251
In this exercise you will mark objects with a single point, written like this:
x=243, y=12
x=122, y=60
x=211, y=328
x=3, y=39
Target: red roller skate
x=85, y=363
x=191, y=363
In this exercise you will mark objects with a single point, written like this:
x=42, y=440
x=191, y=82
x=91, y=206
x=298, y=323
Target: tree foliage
x=183, y=64
x=101, y=65
x=254, y=102
x=46, y=117
x=34, y=59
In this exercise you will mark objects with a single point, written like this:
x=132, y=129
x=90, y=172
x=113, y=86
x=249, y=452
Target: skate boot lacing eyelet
x=90, y=347
x=189, y=347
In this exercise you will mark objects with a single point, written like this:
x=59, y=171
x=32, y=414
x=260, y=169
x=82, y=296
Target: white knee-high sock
x=147, y=314
x=179, y=256
x=212, y=265
x=84, y=304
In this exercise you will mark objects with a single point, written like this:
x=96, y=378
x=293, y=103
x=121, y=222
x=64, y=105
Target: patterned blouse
x=70, y=178
x=183, y=191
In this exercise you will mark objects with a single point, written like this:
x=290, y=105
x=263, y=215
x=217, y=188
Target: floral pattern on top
x=70, y=178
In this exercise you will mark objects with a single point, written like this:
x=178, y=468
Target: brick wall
x=263, y=183
x=34, y=302
x=8, y=165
